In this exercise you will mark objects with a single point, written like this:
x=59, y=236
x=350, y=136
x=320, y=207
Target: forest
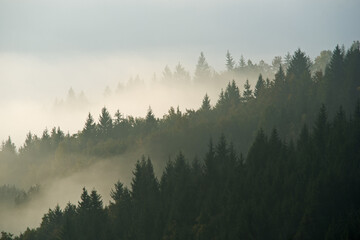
x=279, y=160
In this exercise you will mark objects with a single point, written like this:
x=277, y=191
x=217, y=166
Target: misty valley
x=255, y=151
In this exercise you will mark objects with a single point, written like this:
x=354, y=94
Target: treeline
x=303, y=189
x=12, y=196
x=286, y=102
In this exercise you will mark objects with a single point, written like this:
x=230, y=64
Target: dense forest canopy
x=285, y=163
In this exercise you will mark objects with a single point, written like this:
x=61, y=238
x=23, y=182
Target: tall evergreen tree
x=8, y=146
x=242, y=63
x=105, y=124
x=181, y=75
x=89, y=129
x=202, y=71
x=205, y=106
x=299, y=67
x=230, y=63
x=150, y=118
x=259, y=87
x=279, y=77
x=145, y=195
x=247, y=95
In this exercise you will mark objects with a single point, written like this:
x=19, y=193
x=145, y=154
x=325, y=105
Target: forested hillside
x=286, y=102
x=284, y=165
x=307, y=189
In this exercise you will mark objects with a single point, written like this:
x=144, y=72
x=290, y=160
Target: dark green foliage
x=105, y=123
x=279, y=77
x=229, y=98
x=259, y=87
x=298, y=181
x=289, y=100
x=281, y=191
x=247, y=95
x=205, y=106
x=150, y=119
x=6, y=236
x=89, y=129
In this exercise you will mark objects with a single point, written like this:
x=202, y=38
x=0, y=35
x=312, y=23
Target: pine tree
x=167, y=74
x=299, y=67
x=321, y=131
x=247, y=95
x=150, y=118
x=84, y=205
x=242, y=63
x=287, y=61
x=118, y=118
x=202, y=71
x=95, y=201
x=232, y=94
x=230, y=63
x=205, y=104
x=335, y=70
x=89, y=129
x=276, y=63
x=181, y=75
x=279, y=77
x=145, y=195
x=259, y=87
x=8, y=146
x=105, y=123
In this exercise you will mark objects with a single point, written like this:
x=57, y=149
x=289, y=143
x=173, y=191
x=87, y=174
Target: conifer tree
x=247, y=95
x=242, y=63
x=89, y=129
x=8, y=146
x=150, y=118
x=202, y=71
x=181, y=75
x=105, y=124
x=259, y=87
x=230, y=63
x=145, y=195
x=84, y=205
x=279, y=77
x=167, y=74
x=205, y=104
x=118, y=118
x=299, y=67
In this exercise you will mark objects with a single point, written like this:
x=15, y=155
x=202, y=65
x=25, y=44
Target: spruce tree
x=279, y=77
x=105, y=124
x=202, y=71
x=259, y=87
x=242, y=63
x=247, y=95
x=8, y=146
x=230, y=63
x=205, y=104
x=89, y=129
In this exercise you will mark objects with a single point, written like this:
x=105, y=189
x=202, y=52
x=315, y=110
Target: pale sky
x=257, y=29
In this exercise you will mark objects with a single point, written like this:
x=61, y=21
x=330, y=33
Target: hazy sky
x=252, y=27
x=48, y=46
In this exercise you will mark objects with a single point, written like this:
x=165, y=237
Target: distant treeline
x=12, y=196
x=286, y=102
x=303, y=189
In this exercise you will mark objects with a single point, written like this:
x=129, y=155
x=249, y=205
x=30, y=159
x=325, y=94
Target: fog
x=100, y=176
x=60, y=60
x=42, y=93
